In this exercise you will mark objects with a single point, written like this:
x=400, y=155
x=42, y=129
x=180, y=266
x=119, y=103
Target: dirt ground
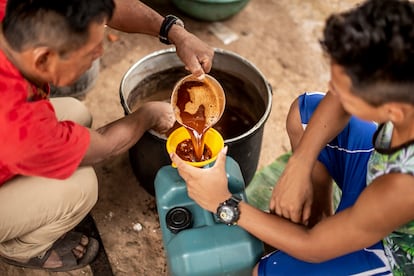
x=280, y=37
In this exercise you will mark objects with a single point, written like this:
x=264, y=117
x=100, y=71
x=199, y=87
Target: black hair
x=60, y=24
x=374, y=43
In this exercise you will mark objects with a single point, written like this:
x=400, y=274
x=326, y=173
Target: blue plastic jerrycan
x=195, y=242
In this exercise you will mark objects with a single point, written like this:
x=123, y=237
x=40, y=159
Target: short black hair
x=60, y=24
x=374, y=43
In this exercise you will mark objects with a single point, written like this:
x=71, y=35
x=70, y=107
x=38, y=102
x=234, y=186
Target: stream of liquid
x=239, y=116
x=194, y=123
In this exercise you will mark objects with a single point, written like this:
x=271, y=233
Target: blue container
x=204, y=246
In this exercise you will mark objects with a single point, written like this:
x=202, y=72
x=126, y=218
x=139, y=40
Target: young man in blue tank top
x=361, y=135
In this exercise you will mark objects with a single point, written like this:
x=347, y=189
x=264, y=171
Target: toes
x=80, y=249
x=78, y=252
x=84, y=241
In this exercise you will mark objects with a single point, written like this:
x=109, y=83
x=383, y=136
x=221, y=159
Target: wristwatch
x=166, y=25
x=228, y=211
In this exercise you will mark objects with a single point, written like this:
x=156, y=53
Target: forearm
x=135, y=17
x=328, y=120
x=329, y=239
x=116, y=137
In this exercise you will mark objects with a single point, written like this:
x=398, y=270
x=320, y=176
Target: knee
x=89, y=186
x=82, y=191
x=293, y=124
x=81, y=113
x=256, y=270
x=68, y=108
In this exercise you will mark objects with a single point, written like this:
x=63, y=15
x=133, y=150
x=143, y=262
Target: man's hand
x=196, y=54
x=161, y=116
x=293, y=194
x=207, y=186
x=136, y=17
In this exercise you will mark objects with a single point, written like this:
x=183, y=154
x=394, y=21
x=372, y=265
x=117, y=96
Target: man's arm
x=135, y=17
x=382, y=207
x=119, y=136
x=132, y=16
x=292, y=196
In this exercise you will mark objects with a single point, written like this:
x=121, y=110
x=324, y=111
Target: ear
x=44, y=59
x=395, y=111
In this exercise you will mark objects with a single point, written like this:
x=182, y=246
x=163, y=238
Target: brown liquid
x=185, y=150
x=241, y=113
x=194, y=123
x=233, y=123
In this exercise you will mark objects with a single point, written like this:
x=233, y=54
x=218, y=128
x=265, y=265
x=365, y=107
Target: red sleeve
x=33, y=141
x=2, y=8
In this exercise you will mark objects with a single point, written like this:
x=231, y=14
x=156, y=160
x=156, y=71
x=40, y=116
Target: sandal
x=63, y=248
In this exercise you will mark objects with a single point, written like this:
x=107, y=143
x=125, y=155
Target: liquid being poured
x=195, y=122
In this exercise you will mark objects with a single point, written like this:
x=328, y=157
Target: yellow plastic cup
x=212, y=138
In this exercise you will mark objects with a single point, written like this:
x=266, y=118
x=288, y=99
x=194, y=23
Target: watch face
x=226, y=214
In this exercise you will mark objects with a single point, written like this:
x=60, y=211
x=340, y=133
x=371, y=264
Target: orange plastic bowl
x=212, y=138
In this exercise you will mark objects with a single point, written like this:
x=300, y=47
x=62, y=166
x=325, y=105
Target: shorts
x=346, y=158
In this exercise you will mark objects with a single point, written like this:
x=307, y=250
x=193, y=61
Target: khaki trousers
x=36, y=211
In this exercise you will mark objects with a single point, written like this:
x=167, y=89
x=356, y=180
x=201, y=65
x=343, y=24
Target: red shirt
x=2, y=8
x=33, y=141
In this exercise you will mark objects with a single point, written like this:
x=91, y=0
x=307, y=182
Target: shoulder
x=11, y=80
x=388, y=201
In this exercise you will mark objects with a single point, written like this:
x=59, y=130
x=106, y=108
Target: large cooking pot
x=248, y=105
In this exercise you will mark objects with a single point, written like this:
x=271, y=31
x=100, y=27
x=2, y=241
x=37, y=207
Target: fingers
x=295, y=216
x=184, y=169
x=164, y=117
x=306, y=213
x=199, y=67
x=221, y=158
x=206, y=63
x=196, y=54
x=289, y=213
x=272, y=206
x=177, y=160
x=187, y=171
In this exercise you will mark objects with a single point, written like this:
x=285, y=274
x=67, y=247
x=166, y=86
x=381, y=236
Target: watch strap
x=234, y=199
x=166, y=25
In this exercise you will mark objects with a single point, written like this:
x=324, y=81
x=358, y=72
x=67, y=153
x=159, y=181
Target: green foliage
x=260, y=189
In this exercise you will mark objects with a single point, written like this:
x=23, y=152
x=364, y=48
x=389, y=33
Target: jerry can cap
x=178, y=219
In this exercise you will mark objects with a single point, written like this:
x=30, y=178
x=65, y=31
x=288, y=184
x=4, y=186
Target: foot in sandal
x=72, y=251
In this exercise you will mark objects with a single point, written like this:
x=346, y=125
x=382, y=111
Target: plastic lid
x=178, y=218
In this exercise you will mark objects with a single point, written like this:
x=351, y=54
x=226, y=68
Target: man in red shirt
x=47, y=184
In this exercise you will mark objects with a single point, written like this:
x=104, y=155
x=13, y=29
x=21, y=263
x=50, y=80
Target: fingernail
x=201, y=77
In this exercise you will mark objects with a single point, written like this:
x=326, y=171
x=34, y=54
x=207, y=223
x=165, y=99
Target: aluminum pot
x=248, y=105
